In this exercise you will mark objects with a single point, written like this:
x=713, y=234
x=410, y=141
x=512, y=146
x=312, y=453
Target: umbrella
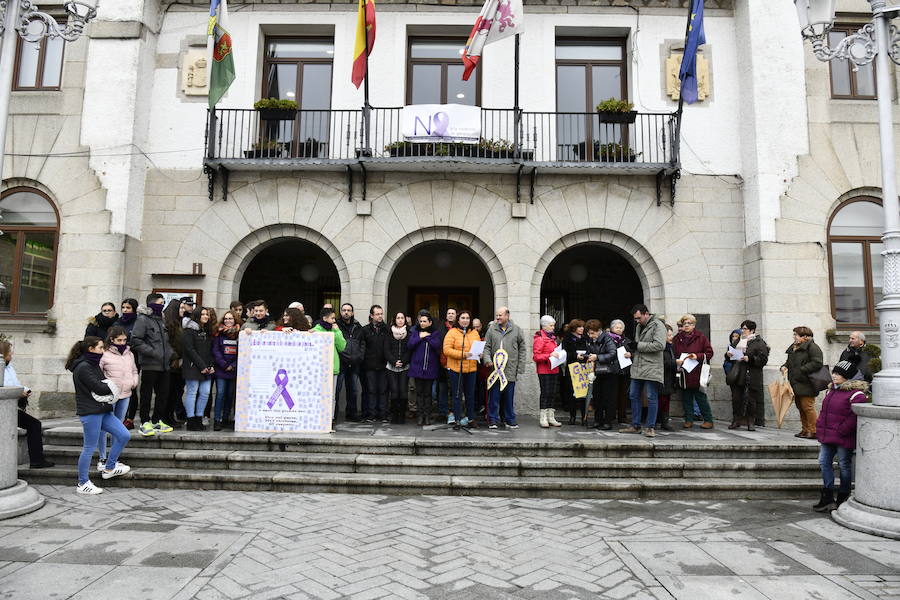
x=782, y=398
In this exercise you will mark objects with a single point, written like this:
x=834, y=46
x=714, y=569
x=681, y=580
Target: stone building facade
x=766, y=161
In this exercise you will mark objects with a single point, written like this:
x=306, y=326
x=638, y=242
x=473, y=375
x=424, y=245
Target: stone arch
x=252, y=244
x=632, y=251
x=407, y=243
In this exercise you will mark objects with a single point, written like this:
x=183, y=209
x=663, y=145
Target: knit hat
x=845, y=369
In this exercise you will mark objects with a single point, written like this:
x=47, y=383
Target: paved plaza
x=181, y=544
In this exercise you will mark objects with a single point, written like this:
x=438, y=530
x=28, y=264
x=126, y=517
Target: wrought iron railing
x=506, y=135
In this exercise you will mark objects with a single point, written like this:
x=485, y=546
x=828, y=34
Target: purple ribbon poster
x=285, y=382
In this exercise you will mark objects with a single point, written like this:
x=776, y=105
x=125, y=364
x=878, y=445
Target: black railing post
x=211, y=134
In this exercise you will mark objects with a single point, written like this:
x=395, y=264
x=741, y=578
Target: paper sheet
x=476, y=351
x=689, y=364
x=561, y=360
x=735, y=353
x=624, y=362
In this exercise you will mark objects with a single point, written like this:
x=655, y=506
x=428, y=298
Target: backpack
x=352, y=353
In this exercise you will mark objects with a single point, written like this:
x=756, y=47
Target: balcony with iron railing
x=510, y=141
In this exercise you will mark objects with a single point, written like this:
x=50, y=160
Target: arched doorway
x=439, y=275
x=590, y=281
x=289, y=270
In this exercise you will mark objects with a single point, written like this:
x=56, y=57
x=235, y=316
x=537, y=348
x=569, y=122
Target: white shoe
x=544, y=423
x=88, y=488
x=120, y=469
x=101, y=466
x=551, y=418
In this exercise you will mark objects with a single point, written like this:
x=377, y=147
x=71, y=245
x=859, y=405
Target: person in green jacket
x=804, y=357
x=327, y=322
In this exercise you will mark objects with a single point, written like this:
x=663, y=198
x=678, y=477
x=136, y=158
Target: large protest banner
x=285, y=382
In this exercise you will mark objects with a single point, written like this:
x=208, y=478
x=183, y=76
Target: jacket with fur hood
x=121, y=369
x=196, y=346
x=836, y=424
x=150, y=341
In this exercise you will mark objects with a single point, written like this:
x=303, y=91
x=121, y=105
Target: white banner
x=441, y=123
x=285, y=381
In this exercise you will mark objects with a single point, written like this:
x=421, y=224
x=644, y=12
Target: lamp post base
x=875, y=506
x=868, y=519
x=18, y=500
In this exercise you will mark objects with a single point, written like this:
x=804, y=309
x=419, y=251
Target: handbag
x=110, y=398
x=821, y=379
x=737, y=376
x=603, y=369
x=705, y=374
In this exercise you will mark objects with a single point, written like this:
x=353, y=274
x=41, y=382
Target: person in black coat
x=669, y=386
x=99, y=324
x=396, y=355
x=84, y=363
x=150, y=343
x=128, y=317
x=575, y=344
x=373, y=336
x=352, y=376
x=606, y=374
x=858, y=354
x=197, y=364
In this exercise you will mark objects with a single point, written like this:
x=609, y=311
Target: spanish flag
x=365, y=40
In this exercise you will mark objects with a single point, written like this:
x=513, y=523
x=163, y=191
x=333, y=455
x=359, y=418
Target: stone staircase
x=409, y=461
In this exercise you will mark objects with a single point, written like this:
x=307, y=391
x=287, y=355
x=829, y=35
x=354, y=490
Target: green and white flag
x=222, y=60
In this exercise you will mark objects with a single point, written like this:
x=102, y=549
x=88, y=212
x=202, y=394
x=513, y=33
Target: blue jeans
x=506, y=397
x=196, y=395
x=845, y=462
x=459, y=385
x=636, y=404
x=93, y=425
x=224, y=394
x=119, y=409
x=348, y=376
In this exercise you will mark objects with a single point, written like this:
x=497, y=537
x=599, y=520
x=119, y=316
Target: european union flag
x=696, y=37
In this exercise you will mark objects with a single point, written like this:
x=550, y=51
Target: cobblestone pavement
x=180, y=544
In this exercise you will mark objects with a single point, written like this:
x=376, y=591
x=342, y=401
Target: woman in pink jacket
x=117, y=364
x=543, y=348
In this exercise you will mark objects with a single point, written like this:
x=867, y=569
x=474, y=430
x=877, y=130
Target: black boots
x=826, y=501
x=195, y=424
x=663, y=422
x=842, y=496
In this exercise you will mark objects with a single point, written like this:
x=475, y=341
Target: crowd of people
x=163, y=363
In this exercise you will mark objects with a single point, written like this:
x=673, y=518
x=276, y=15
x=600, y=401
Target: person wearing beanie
x=150, y=342
x=836, y=432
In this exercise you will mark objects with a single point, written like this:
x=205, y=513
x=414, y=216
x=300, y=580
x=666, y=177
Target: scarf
x=742, y=345
x=157, y=309
x=104, y=321
x=93, y=357
x=324, y=325
x=127, y=318
x=616, y=337
x=261, y=322
x=229, y=332
x=399, y=332
x=121, y=348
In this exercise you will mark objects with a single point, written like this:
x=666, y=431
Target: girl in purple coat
x=836, y=431
x=425, y=360
x=224, y=351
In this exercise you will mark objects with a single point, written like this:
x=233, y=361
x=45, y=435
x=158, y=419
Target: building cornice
x=713, y=5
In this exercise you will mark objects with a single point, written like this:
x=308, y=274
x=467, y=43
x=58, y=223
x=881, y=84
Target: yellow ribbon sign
x=579, y=375
x=501, y=357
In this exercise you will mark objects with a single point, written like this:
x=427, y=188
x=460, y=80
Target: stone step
x=265, y=461
x=598, y=445
x=448, y=485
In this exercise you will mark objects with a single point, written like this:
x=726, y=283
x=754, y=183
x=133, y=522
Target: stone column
x=16, y=497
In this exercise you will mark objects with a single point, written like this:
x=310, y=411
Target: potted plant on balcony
x=269, y=149
x=616, y=111
x=309, y=148
x=613, y=152
x=273, y=109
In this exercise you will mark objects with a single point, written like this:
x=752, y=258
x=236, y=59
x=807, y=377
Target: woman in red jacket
x=697, y=347
x=543, y=349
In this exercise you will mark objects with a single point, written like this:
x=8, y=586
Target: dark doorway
x=291, y=270
x=442, y=275
x=590, y=281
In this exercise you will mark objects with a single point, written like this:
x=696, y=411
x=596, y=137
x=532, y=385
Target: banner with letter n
x=441, y=123
x=285, y=382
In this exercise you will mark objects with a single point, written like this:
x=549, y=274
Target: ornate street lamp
x=875, y=506
x=21, y=18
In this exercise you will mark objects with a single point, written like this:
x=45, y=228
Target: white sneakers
x=120, y=469
x=88, y=488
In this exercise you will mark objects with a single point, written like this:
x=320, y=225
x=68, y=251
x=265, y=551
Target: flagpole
x=687, y=31
x=517, y=119
x=367, y=150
